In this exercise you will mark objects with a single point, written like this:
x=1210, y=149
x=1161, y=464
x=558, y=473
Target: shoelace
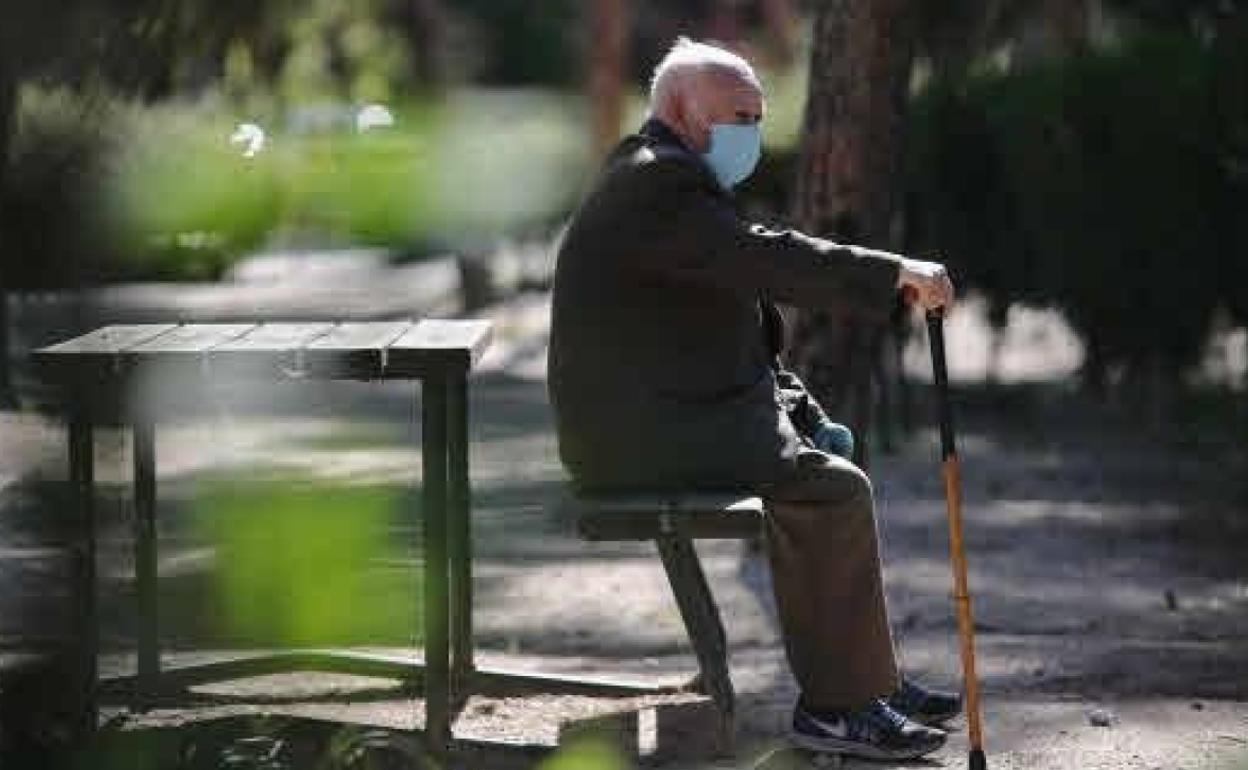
x=908, y=698
x=879, y=717
x=884, y=716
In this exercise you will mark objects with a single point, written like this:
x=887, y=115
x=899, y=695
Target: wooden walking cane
x=953, y=505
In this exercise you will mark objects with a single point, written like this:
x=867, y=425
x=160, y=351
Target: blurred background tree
x=52, y=158
x=1081, y=155
x=862, y=55
x=1096, y=176
x=1084, y=155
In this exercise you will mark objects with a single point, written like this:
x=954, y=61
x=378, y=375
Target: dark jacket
x=660, y=367
x=799, y=404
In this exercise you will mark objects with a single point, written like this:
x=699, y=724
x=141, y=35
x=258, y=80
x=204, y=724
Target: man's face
x=724, y=98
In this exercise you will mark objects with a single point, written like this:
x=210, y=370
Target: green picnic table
x=100, y=366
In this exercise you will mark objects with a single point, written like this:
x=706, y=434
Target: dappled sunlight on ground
x=1105, y=559
x=1035, y=345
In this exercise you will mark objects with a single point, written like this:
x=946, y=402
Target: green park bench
x=673, y=522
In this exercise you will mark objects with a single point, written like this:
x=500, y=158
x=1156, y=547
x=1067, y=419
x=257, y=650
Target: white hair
x=690, y=57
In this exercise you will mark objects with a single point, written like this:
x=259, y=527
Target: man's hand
x=925, y=283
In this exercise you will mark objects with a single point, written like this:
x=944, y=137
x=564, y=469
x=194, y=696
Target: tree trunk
x=724, y=25
x=1094, y=375
x=1067, y=24
x=780, y=19
x=8, y=112
x=859, y=73
x=427, y=31
x=606, y=44
x=8, y=394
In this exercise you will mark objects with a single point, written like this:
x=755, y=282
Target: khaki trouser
x=825, y=565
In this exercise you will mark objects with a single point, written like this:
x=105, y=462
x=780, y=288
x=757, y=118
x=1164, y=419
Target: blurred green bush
x=298, y=563
x=1108, y=184
x=106, y=190
x=181, y=203
x=50, y=225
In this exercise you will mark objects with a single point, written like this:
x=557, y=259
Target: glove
x=834, y=438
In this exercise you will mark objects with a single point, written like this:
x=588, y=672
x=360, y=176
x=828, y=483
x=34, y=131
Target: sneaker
x=875, y=732
x=931, y=707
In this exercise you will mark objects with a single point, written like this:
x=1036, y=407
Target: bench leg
x=82, y=476
x=433, y=452
x=145, y=560
x=706, y=631
x=459, y=539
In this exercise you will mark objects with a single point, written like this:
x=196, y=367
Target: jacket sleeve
x=803, y=410
x=692, y=232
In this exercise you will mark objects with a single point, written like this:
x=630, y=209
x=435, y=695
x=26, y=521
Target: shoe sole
x=858, y=749
x=935, y=720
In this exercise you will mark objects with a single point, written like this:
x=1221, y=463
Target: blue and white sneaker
x=931, y=707
x=875, y=732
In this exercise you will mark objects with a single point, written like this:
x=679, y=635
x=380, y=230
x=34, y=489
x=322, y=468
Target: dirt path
x=1107, y=562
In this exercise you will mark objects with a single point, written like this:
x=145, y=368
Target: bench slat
x=648, y=516
x=88, y=360
x=186, y=340
x=353, y=350
x=269, y=350
x=274, y=338
x=107, y=341
x=435, y=343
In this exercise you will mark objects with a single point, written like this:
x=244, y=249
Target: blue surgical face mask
x=734, y=152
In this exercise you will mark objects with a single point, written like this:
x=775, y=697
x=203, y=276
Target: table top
x=318, y=350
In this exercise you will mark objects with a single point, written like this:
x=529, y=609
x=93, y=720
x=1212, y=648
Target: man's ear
x=695, y=125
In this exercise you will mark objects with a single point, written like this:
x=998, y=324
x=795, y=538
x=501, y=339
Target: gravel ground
x=1107, y=566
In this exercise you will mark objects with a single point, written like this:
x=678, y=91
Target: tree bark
x=606, y=43
x=424, y=24
x=780, y=19
x=1067, y=23
x=8, y=112
x=8, y=394
x=859, y=74
x=724, y=25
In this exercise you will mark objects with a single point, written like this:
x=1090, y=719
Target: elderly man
x=663, y=373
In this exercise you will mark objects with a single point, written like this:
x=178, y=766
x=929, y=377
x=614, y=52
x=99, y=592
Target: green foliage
x=104, y=190
x=115, y=191
x=1092, y=183
x=1230, y=146
x=185, y=203
x=297, y=563
x=182, y=202
x=1179, y=14
x=344, y=50
x=146, y=48
x=526, y=43
x=48, y=220
x=371, y=189
x=489, y=183
x=586, y=754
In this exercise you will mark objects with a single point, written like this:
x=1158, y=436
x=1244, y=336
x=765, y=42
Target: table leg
x=434, y=460
x=459, y=517
x=82, y=483
x=145, y=558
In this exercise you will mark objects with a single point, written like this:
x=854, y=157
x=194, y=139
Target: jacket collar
x=659, y=131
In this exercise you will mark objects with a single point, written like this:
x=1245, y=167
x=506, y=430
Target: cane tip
x=978, y=761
